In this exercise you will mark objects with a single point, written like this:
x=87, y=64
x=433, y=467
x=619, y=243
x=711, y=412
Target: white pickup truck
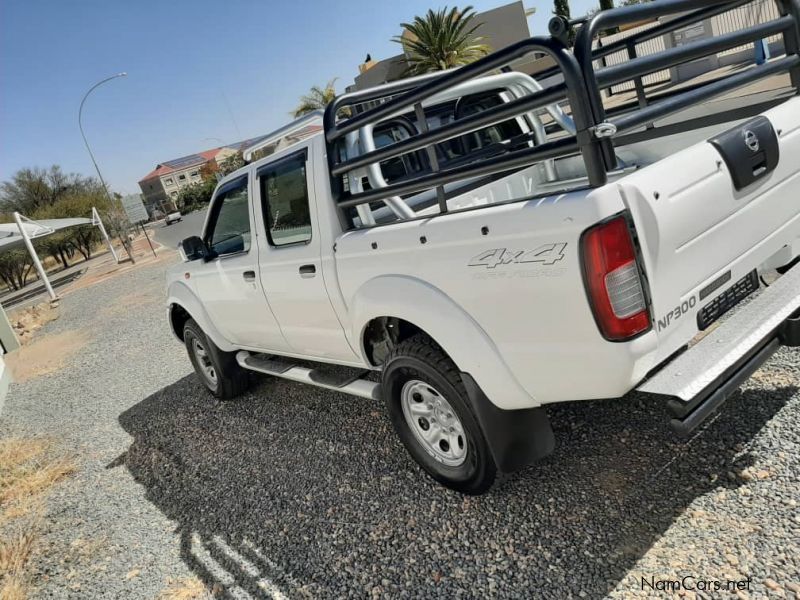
x=472, y=246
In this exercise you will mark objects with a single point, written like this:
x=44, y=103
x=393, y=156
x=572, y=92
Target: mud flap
x=516, y=438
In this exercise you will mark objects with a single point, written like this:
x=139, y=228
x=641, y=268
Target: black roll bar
x=556, y=50
x=644, y=65
x=668, y=27
x=574, y=89
x=675, y=104
x=488, y=117
x=497, y=164
x=699, y=10
x=649, y=34
x=582, y=82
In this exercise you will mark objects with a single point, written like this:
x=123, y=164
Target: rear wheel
x=430, y=411
x=218, y=370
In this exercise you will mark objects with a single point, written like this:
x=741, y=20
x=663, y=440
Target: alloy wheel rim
x=434, y=423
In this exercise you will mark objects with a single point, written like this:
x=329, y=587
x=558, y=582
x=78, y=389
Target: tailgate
x=699, y=234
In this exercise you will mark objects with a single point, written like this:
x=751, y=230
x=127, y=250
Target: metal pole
x=35, y=257
x=91, y=155
x=638, y=82
x=144, y=229
x=99, y=222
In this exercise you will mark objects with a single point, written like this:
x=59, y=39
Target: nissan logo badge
x=751, y=140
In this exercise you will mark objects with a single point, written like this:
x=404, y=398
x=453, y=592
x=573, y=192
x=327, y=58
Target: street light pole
x=89, y=150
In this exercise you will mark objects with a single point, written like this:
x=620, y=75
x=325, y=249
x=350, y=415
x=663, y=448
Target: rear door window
x=284, y=196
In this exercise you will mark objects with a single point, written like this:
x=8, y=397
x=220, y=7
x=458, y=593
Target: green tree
x=15, y=267
x=56, y=245
x=317, y=98
x=441, y=40
x=231, y=164
x=52, y=194
x=30, y=190
x=606, y=4
x=196, y=195
x=78, y=202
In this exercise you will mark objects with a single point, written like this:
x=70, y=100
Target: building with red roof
x=162, y=185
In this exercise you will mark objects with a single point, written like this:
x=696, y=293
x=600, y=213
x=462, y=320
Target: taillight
x=613, y=281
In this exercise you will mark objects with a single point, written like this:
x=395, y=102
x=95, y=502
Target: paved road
x=170, y=236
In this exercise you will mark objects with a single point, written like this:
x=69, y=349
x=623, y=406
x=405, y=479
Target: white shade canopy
x=11, y=238
x=23, y=231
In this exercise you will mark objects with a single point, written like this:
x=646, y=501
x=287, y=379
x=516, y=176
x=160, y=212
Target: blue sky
x=198, y=72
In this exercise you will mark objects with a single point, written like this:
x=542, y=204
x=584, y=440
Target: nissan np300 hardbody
x=491, y=244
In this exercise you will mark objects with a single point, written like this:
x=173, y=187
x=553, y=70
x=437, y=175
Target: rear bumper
x=697, y=383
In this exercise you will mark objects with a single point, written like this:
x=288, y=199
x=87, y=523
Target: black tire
x=229, y=380
x=419, y=358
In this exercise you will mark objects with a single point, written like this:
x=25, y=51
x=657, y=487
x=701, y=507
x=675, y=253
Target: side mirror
x=193, y=248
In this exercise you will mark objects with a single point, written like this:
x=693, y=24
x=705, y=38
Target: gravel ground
x=300, y=492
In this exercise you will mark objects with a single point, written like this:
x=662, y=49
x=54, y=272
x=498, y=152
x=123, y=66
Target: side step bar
x=697, y=382
x=345, y=380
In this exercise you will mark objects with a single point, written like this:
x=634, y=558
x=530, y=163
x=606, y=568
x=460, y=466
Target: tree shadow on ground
x=305, y=492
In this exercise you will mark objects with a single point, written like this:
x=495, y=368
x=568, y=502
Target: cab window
x=229, y=224
x=284, y=197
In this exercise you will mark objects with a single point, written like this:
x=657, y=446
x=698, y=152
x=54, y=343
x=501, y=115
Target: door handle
x=249, y=276
x=308, y=271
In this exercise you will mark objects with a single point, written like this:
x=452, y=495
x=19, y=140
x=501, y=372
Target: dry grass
x=28, y=469
x=186, y=588
x=26, y=321
x=17, y=546
x=45, y=355
x=14, y=588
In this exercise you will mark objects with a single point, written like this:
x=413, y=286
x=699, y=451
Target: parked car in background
x=173, y=217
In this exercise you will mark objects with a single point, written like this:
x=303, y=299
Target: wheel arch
x=178, y=316
x=416, y=306
x=183, y=305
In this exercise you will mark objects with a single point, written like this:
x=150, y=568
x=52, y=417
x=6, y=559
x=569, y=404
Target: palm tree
x=317, y=98
x=441, y=40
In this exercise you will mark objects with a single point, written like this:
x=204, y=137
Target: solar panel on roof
x=186, y=161
x=246, y=143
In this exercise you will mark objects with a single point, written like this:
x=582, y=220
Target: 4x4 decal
x=548, y=254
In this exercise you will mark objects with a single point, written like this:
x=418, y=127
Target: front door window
x=229, y=224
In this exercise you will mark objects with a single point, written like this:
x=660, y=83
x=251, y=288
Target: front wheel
x=430, y=411
x=218, y=370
